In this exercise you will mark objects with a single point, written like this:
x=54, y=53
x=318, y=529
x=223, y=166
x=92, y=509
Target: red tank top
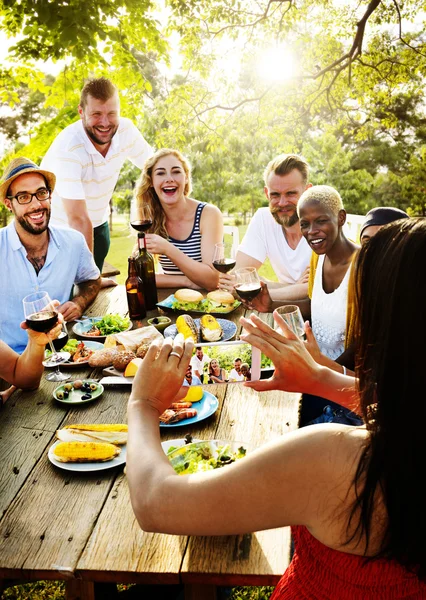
x=318, y=572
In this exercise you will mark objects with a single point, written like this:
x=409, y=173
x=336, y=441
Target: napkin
x=131, y=340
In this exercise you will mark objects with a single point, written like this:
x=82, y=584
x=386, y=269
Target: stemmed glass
x=41, y=316
x=145, y=220
x=221, y=261
x=247, y=283
x=293, y=318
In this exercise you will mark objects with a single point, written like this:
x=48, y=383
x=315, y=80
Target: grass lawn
x=123, y=242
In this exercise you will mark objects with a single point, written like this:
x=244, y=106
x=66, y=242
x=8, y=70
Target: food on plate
x=216, y=301
x=143, y=349
x=131, y=340
x=82, y=353
x=113, y=434
x=109, y=324
x=204, y=456
x=186, y=326
x=85, y=451
x=195, y=393
x=170, y=416
x=103, y=358
x=210, y=329
x=221, y=299
x=132, y=367
x=180, y=405
x=122, y=359
x=77, y=384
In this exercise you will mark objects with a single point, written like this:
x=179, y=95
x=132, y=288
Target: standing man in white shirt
x=87, y=157
x=198, y=361
x=274, y=231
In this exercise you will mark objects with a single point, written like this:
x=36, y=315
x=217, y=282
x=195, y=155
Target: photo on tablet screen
x=230, y=362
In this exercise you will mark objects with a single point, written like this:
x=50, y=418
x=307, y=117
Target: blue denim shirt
x=68, y=261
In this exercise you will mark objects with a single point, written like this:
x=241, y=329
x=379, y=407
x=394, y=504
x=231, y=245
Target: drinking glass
x=41, y=316
x=145, y=220
x=223, y=259
x=247, y=283
x=293, y=318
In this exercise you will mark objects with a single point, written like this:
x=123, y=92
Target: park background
x=230, y=83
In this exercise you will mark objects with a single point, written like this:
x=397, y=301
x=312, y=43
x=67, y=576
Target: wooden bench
x=109, y=270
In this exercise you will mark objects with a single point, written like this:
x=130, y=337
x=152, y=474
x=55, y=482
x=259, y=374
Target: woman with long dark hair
x=354, y=496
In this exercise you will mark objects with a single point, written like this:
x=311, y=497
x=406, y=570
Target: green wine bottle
x=146, y=271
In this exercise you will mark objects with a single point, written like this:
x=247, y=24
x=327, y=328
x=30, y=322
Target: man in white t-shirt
x=235, y=374
x=198, y=361
x=86, y=158
x=274, y=231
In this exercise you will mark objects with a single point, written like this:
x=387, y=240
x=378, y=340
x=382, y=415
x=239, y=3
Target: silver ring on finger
x=175, y=354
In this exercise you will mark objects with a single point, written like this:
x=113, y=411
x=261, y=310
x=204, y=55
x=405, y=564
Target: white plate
x=82, y=327
x=65, y=356
x=89, y=466
x=69, y=363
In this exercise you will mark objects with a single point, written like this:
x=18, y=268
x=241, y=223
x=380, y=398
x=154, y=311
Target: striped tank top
x=191, y=246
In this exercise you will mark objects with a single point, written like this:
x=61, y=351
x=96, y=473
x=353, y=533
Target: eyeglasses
x=26, y=197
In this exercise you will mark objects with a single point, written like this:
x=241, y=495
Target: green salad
x=112, y=324
x=70, y=346
x=203, y=456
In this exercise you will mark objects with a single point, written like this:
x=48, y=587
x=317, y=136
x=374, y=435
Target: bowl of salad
x=205, y=456
x=97, y=328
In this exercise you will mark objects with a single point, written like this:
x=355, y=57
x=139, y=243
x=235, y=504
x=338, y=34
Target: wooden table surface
x=80, y=527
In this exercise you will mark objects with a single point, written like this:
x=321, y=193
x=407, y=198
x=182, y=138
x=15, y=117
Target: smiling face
x=283, y=193
x=320, y=226
x=237, y=365
x=33, y=217
x=100, y=119
x=214, y=364
x=169, y=179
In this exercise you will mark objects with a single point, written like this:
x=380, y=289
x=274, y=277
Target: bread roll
x=221, y=297
x=103, y=358
x=122, y=359
x=187, y=295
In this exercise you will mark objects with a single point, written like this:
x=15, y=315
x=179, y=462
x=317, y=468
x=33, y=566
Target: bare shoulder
x=209, y=210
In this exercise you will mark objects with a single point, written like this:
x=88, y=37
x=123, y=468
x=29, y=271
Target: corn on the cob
x=114, y=434
x=85, y=451
x=211, y=331
x=186, y=326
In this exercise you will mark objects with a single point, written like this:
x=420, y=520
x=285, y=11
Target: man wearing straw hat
x=36, y=256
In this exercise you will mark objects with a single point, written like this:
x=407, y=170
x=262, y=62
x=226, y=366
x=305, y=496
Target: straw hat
x=18, y=167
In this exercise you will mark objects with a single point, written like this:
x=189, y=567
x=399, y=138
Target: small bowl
x=160, y=323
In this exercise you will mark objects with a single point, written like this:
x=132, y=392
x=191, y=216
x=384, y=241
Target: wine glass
x=223, y=259
x=145, y=220
x=41, y=316
x=247, y=283
x=293, y=318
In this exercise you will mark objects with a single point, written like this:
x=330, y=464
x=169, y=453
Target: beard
x=284, y=221
x=91, y=133
x=34, y=228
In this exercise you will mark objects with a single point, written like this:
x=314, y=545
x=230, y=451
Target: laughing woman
x=322, y=217
x=184, y=230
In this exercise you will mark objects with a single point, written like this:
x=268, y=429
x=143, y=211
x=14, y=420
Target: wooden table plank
x=260, y=558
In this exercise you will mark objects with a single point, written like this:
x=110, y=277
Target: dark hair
x=390, y=331
x=238, y=358
x=101, y=89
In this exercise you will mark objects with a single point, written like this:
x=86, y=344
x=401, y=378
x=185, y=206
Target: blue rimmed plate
x=82, y=327
x=206, y=407
x=228, y=327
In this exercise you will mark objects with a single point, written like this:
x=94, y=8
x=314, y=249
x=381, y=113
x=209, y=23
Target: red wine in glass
x=42, y=321
x=224, y=265
x=248, y=291
x=60, y=341
x=141, y=225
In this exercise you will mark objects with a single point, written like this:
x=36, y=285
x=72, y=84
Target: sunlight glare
x=277, y=64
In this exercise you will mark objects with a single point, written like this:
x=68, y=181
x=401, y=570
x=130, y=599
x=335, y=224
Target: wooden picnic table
x=79, y=527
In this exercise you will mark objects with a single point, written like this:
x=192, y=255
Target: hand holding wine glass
x=247, y=283
x=41, y=316
x=293, y=317
x=145, y=220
